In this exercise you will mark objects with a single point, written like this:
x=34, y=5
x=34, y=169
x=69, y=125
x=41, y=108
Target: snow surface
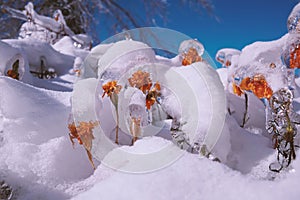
x=37, y=159
x=36, y=51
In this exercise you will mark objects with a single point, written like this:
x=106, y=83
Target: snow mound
x=36, y=155
x=37, y=51
x=191, y=178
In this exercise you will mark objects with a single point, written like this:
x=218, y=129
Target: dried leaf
x=84, y=134
x=73, y=133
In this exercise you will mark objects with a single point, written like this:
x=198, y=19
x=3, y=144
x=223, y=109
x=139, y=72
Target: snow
x=37, y=159
x=192, y=177
x=66, y=46
x=35, y=51
x=8, y=56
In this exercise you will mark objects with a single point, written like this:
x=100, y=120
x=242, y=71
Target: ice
x=124, y=55
x=293, y=20
x=8, y=57
x=224, y=56
x=187, y=44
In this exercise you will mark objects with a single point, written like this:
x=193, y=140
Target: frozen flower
x=191, y=57
x=14, y=72
x=152, y=95
x=141, y=80
x=110, y=88
x=258, y=85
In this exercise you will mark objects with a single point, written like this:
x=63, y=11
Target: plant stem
x=117, y=128
x=246, y=111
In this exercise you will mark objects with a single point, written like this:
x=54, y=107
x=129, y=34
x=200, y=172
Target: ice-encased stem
x=245, y=119
x=114, y=100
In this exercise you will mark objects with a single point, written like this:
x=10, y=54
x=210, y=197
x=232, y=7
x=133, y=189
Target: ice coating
x=187, y=44
x=224, y=56
x=122, y=56
x=263, y=58
x=293, y=25
x=8, y=57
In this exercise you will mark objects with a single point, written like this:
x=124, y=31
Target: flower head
x=257, y=84
x=191, y=57
x=141, y=80
x=152, y=95
x=111, y=87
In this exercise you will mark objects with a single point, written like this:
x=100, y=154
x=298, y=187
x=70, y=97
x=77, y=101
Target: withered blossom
x=111, y=87
x=191, y=57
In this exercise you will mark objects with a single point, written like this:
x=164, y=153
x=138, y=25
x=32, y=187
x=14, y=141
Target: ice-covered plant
x=135, y=128
x=190, y=52
x=112, y=89
x=191, y=57
x=14, y=72
x=6, y=191
x=257, y=85
x=142, y=81
x=83, y=132
x=281, y=122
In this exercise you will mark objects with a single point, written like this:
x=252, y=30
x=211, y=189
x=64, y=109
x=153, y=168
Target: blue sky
x=240, y=22
x=235, y=23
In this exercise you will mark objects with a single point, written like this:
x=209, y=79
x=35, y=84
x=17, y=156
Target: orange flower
x=258, y=85
x=191, y=57
x=152, y=95
x=245, y=83
x=111, y=87
x=141, y=80
x=146, y=88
